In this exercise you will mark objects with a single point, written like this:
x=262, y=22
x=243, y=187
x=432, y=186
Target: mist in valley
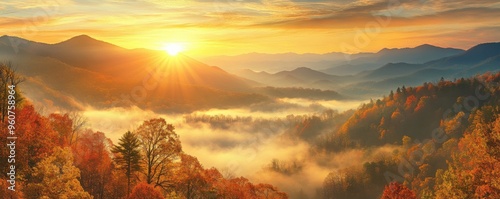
x=267, y=143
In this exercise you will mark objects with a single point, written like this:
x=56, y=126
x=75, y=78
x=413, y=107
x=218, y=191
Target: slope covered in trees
x=447, y=138
x=93, y=167
x=56, y=157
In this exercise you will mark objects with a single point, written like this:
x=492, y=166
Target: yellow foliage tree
x=56, y=177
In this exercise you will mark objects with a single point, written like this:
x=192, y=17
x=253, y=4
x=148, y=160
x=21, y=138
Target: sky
x=230, y=27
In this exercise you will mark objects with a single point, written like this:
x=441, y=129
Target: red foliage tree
x=92, y=157
x=37, y=139
x=145, y=191
x=398, y=191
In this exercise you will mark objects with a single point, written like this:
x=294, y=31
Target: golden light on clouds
x=221, y=27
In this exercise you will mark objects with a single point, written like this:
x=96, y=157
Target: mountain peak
x=427, y=46
x=82, y=37
x=85, y=41
x=479, y=52
x=486, y=47
x=302, y=69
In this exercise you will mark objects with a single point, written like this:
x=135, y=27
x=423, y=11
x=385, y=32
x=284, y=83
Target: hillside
x=93, y=72
x=476, y=60
x=416, y=55
x=433, y=124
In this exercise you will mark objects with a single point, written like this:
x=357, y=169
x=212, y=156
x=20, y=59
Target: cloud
x=215, y=27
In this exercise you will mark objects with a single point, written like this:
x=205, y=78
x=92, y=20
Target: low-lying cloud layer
x=244, y=142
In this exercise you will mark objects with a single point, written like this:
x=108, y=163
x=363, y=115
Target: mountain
x=391, y=70
x=476, y=60
x=274, y=63
x=436, y=122
x=92, y=72
x=299, y=77
x=473, y=56
x=417, y=55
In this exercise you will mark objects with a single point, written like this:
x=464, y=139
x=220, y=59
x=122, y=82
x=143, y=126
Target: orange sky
x=228, y=27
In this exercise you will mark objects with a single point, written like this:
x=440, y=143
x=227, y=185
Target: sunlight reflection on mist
x=241, y=148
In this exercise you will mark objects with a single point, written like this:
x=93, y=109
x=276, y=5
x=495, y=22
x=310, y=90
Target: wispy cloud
x=239, y=26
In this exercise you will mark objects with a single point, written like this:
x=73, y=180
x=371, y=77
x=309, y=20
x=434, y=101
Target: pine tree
x=128, y=155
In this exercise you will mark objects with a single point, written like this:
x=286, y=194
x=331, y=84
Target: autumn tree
x=6, y=193
x=93, y=158
x=117, y=185
x=269, y=191
x=189, y=179
x=78, y=123
x=474, y=171
x=8, y=77
x=128, y=155
x=37, y=140
x=397, y=191
x=145, y=191
x=160, y=145
x=62, y=124
x=56, y=177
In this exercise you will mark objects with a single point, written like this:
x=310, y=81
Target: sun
x=173, y=48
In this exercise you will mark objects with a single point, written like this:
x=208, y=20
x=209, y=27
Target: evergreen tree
x=128, y=155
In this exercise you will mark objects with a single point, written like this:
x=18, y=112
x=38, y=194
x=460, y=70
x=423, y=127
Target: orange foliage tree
x=189, y=179
x=474, y=171
x=145, y=191
x=160, y=146
x=92, y=157
x=63, y=125
x=397, y=191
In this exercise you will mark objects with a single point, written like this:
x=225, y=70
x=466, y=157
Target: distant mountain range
x=334, y=63
x=417, y=55
x=83, y=71
x=477, y=60
x=375, y=73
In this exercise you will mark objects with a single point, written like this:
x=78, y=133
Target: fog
x=245, y=141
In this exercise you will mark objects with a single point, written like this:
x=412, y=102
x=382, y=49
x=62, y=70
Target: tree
x=78, y=123
x=128, y=155
x=145, y=191
x=93, y=158
x=160, y=145
x=117, y=185
x=56, y=177
x=397, y=191
x=37, y=140
x=63, y=125
x=474, y=171
x=8, y=77
x=269, y=191
x=189, y=178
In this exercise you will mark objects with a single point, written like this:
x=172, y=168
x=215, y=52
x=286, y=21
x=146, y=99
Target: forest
x=448, y=138
x=57, y=157
x=438, y=140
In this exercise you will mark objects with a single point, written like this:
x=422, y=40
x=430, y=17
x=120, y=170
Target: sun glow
x=173, y=48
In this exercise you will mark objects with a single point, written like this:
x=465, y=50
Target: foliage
x=128, y=155
x=160, y=146
x=474, y=171
x=397, y=191
x=93, y=158
x=145, y=191
x=56, y=177
x=463, y=163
